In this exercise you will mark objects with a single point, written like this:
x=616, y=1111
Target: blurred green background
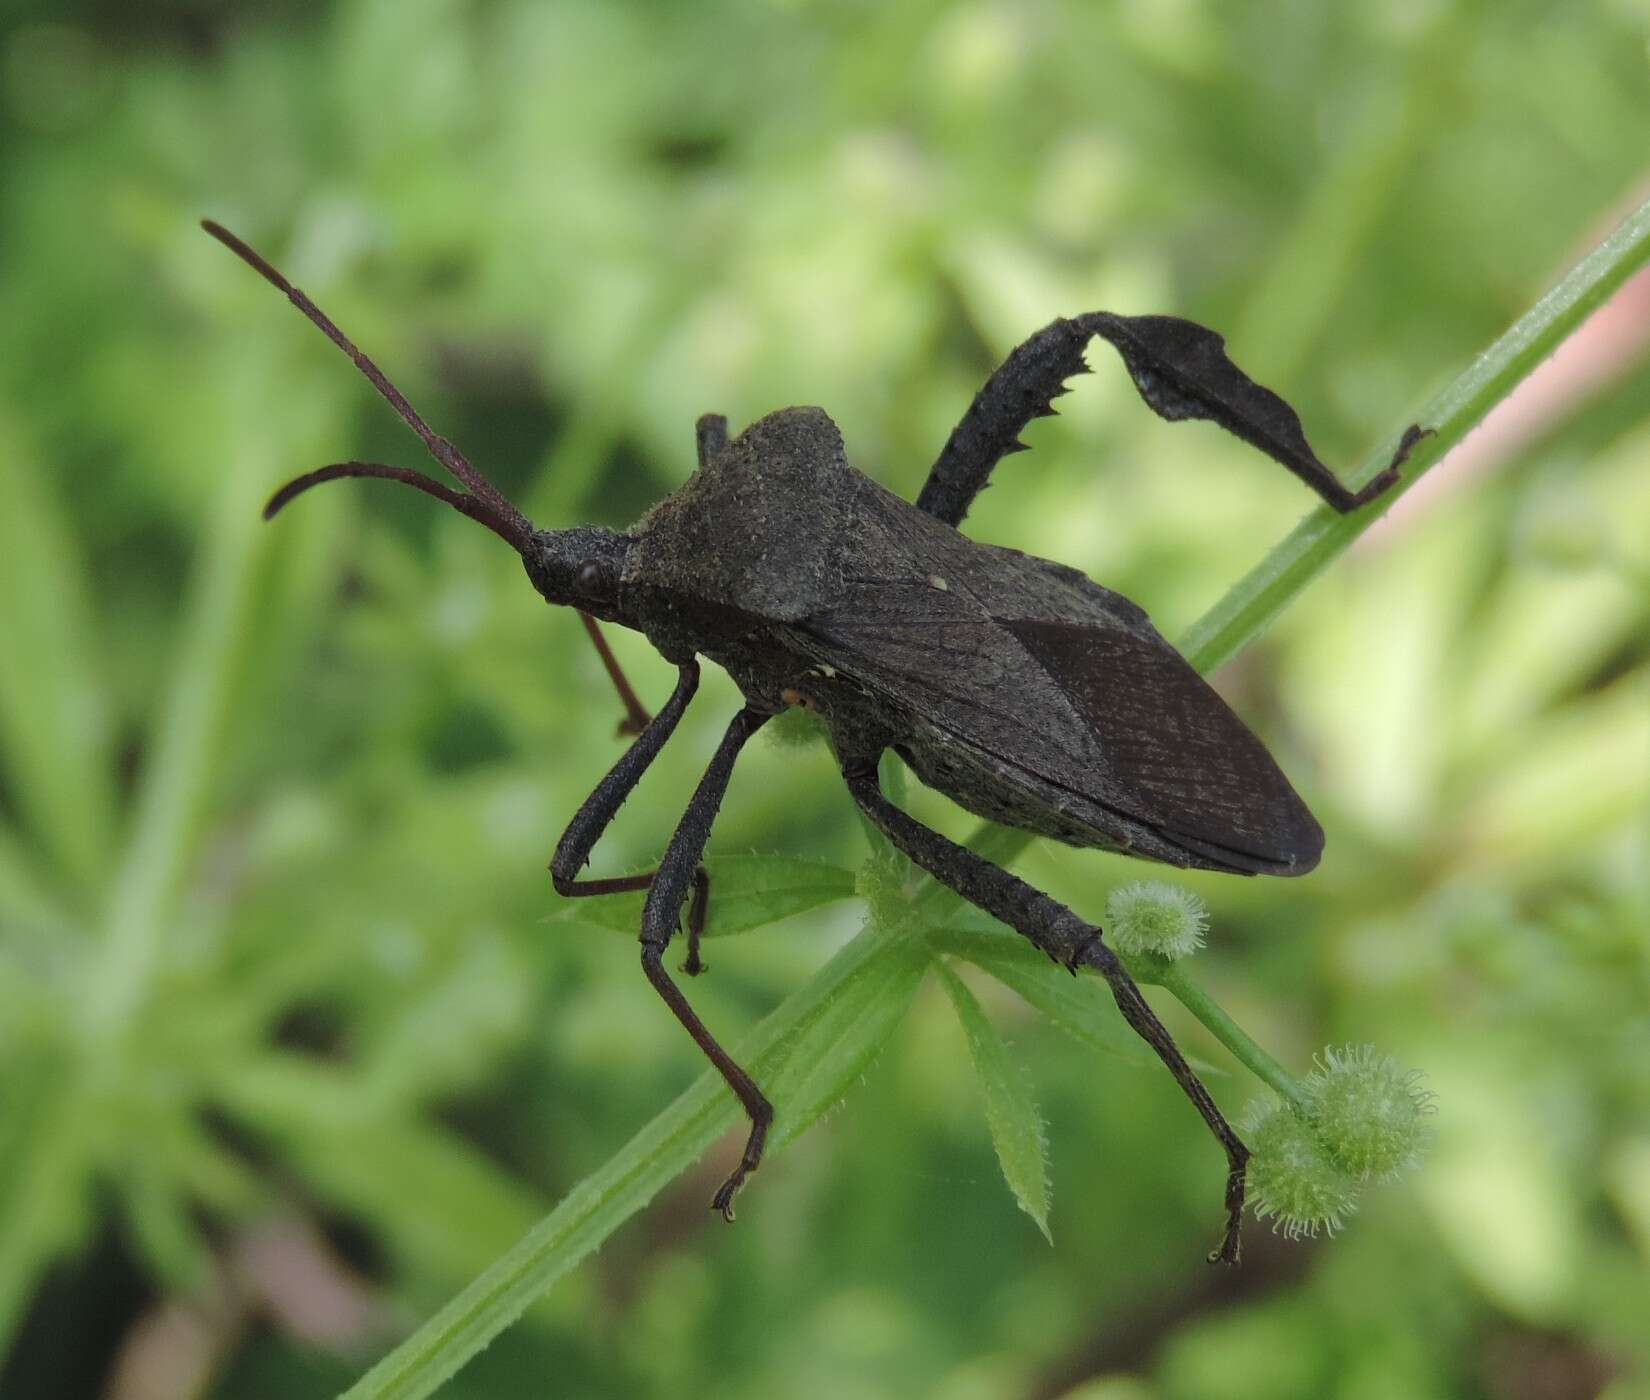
x=287, y=1049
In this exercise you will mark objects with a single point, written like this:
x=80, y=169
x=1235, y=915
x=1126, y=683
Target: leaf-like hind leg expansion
x=599, y=809
x=1179, y=368
x=1066, y=938
x=664, y=904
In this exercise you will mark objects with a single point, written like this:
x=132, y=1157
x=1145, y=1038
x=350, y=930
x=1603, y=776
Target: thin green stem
x=1174, y=980
x=806, y=1053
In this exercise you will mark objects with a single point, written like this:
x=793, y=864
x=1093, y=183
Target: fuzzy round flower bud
x=794, y=728
x=1368, y=1112
x=1291, y=1177
x=1152, y=917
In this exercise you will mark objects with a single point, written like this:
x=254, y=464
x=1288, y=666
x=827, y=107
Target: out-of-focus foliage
x=293, y=1039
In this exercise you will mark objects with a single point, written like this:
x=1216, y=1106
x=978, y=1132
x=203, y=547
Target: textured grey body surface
x=758, y=528
x=1017, y=686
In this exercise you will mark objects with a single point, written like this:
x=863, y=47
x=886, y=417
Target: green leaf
x=173, y=797
x=1011, y=1111
x=54, y=719
x=42, y=1160
x=383, y=1167
x=746, y=892
x=25, y=900
x=806, y=1055
x=1076, y=1005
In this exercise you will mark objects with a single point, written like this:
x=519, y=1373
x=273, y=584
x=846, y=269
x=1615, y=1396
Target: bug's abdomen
x=1002, y=792
x=982, y=788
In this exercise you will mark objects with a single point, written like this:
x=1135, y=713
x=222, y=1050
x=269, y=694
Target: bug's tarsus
x=659, y=917
x=1140, y=1016
x=1068, y=939
x=1180, y=369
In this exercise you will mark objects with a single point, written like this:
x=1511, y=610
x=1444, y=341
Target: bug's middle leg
x=1068, y=939
x=659, y=915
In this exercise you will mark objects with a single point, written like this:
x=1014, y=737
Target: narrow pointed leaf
x=54, y=717
x=1079, y=1006
x=26, y=900
x=1011, y=1111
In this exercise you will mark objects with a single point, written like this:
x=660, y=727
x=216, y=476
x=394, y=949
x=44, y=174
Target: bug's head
x=579, y=567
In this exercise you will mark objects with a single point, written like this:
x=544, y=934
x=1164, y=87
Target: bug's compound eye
x=591, y=578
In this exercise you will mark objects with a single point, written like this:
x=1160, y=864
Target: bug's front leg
x=1067, y=938
x=599, y=809
x=659, y=915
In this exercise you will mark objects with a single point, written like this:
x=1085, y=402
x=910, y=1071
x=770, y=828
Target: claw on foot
x=722, y=1201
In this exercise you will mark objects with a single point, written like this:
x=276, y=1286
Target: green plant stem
x=806, y=1053
x=1178, y=984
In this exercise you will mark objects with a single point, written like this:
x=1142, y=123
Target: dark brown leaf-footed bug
x=1016, y=686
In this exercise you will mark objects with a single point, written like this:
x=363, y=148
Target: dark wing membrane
x=1103, y=709
x=940, y=654
x=1189, y=765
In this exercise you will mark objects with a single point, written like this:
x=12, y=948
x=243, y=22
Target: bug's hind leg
x=1066, y=938
x=1023, y=387
x=1181, y=371
x=664, y=903
x=599, y=809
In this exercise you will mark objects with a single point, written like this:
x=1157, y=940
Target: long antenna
x=511, y=523
x=483, y=501
x=458, y=500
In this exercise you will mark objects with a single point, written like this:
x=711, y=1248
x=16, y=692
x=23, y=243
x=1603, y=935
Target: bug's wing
x=1188, y=764
x=1099, y=706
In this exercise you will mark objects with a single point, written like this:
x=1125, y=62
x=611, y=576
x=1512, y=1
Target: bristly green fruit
x=1152, y=917
x=1292, y=1178
x=1368, y=1112
x=1362, y=1120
